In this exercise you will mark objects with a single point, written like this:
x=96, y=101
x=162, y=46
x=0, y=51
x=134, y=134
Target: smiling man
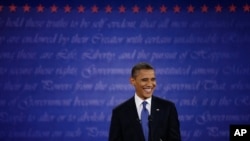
x=144, y=117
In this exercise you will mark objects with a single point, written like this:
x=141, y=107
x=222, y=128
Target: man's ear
x=132, y=81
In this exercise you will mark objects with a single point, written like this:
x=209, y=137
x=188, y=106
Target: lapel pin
x=157, y=109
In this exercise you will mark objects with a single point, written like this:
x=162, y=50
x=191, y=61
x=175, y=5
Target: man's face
x=144, y=83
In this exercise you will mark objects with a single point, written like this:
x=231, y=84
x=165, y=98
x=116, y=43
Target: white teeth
x=148, y=90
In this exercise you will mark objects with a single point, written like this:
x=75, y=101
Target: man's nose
x=150, y=83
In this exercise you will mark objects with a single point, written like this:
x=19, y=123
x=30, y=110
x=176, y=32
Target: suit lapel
x=133, y=115
x=132, y=110
x=155, y=109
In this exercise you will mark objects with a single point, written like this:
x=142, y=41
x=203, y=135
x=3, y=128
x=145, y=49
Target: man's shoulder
x=163, y=101
x=125, y=104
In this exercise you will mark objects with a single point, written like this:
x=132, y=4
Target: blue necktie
x=144, y=120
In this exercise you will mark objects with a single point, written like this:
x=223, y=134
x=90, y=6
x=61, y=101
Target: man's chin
x=148, y=92
x=147, y=95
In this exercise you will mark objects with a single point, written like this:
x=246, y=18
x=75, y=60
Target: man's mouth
x=148, y=90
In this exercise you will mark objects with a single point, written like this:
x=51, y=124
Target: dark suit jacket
x=164, y=124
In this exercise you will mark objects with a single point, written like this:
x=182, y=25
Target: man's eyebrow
x=149, y=78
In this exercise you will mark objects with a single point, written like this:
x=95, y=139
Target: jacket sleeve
x=115, y=133
x=174, y=125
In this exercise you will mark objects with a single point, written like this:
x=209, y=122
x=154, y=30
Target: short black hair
x=140, y=66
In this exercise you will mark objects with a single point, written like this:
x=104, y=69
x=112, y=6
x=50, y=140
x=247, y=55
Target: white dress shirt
x=139, y=106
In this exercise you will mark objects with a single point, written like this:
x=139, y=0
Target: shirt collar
x=138, y=100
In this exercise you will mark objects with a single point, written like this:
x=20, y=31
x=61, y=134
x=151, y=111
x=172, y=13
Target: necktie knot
x=144, y=103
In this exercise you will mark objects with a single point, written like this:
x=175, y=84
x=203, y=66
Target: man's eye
x=145, y=79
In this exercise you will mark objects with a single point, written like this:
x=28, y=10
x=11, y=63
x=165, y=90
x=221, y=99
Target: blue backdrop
x=65, y=64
